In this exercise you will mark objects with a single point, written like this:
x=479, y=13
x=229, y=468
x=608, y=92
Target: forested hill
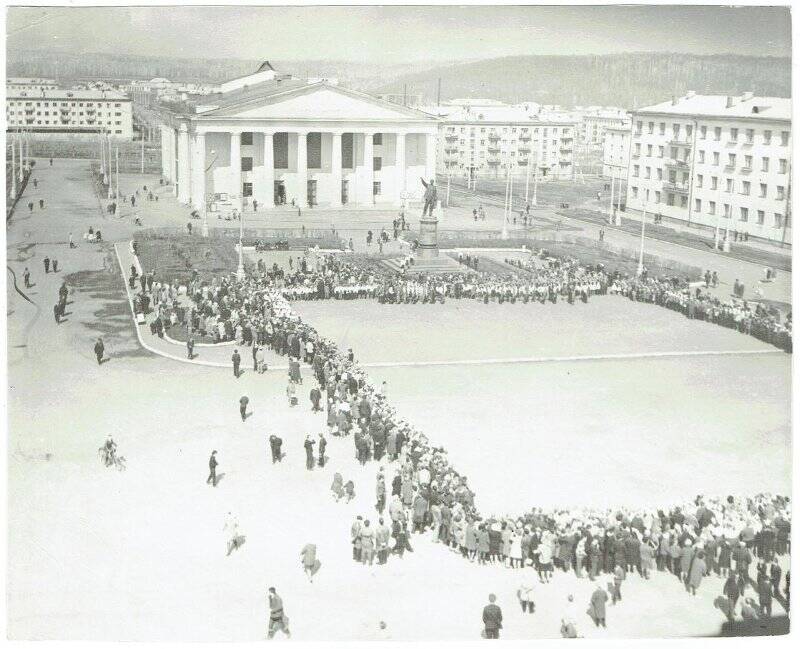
x=617, y=80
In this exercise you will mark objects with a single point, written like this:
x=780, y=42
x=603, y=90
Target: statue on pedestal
x=430, y=197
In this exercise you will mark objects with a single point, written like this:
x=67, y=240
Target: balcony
x=675, y=162
x=730, y=167
x=676, y=188
x=493, y=148
x=746, y=170
x=450, y=137
x=567, y=139
x=494, y=136
x=493, y=162
x=676, y=142
x=524, y=138
x=524, y=149
x=565, y=150
x=522, y=163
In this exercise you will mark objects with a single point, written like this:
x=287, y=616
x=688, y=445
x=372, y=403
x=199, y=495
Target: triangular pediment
x=322, y=102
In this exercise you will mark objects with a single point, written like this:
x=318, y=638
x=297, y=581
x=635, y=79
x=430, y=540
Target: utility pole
x=108, y=153
x=640, y=268
x=116, y=167
x=102, y=160
x=13, y=172
x=535, y=183
x=448, y=187
x=611, y=203
x=527, y=179
x=142, y=165
x=21, y=159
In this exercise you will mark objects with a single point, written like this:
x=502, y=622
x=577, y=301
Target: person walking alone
x=212, y=469
x=492, y=619
x=99, y=350
x=243, y=401
x=237, y=361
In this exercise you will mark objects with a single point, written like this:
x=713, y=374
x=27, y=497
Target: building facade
x=283, y=142
x=715, y=161
x=616, y=151
x=28, y=84
x=595, y=121
x=487, y=141
x=70, y=112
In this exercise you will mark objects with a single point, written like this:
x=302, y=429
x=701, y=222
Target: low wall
x=249, y=234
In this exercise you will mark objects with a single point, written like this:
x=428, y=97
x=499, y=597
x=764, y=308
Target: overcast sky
x=400, y=34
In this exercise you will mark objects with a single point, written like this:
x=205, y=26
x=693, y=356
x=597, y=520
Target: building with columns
x=284, y=140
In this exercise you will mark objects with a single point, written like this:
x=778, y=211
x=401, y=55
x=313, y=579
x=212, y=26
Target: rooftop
x=64, y=94
x=746, y=105
x=506, y=115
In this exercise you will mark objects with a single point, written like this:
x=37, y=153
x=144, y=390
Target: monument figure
x=430, y=197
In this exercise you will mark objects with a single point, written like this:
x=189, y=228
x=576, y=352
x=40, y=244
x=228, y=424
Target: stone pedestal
x=428, y=235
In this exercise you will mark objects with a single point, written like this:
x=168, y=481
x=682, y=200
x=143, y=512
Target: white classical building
x=282, y=140
x=715, y=161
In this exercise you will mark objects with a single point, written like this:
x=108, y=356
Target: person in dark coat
x=275, y=446
x=731, y=591
x=212, y=469
x=764, y=597
x=315, y=397
x=237, y=361
x=323, y=443
x=309, y=446
x=492, y=619
x=46, y=262
x=243, y=407
x=99, y=350
x=597, y=605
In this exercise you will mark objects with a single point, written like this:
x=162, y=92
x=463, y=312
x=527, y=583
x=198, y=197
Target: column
x=165, y=152
x=199, y=171
x=400, y=165
x=184, y=183
x=235, y=188
x=264, y=190
x=368, y=172
x=302, y=170
x=336, y=169
x=430, y=156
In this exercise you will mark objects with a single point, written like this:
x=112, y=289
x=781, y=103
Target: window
x=247, y=189
x=635, y=171
x=767, y=137
x=748, y=162
x=676, y=129
x=780, y=195
x=764, y=164
x=716, y=158
x=650, y=150
x=688, y=132
x=784, y=138
x=726, y=211
x=638, y=149
x=731, y=159
x=700, y=180
x=659, y=173
x=743, y=214
x=650, y=127
x=247, y=138
x=782, y=166
x=763, y=187
x=712, y=208
x=673, y=153
x=748, y=134
x=661, y=152
x=662, y=128
x=703, y=131
x=729, y=185
x=684, y=201
x=778, y=220
x=635, y=192
x=638, y=127
x=670, y=199
x=760, y=217
x=734, y=134
x=717, y=133
x=697, y=204
x=376, y=189
x=714, y=180
x=247, y=164
x=701, y=157
x=647, y=172
x=658, y=195
x=377, y=163
x=745, y=188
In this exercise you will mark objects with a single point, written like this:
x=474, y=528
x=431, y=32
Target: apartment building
x=70, y=112
x=490, y=139
x=595, y=121
x=616, y=151
x=715, y=161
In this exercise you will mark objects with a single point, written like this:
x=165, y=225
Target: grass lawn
x=176, y=257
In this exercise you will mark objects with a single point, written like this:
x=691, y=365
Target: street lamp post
x=726, y=244
x=611, y=202
x=527, y=179
x=205, y=201
x=13, y=172
x=240, y=268
x=21, y=156
x=640, y=268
